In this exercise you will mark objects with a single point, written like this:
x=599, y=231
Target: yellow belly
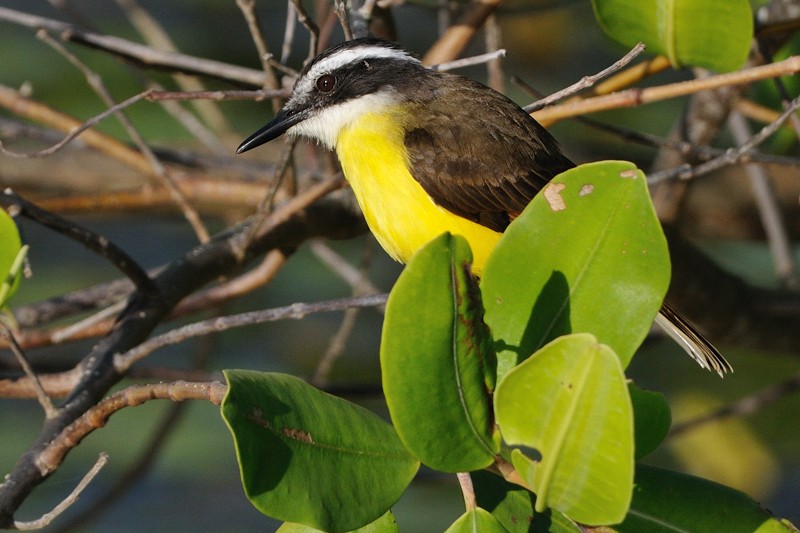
x=399, y=212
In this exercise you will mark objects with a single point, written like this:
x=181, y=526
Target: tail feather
x=692, y=341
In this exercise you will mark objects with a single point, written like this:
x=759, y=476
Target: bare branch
x=636, y=97
x=48, y=518
x=50, y=410
x=586, y=81
x=96, y=83
x=6, y=99
x=470, y=61
x=294, y=311
x=309, y=24
x=89, y=239
x=770, y=212
x=731, y=156
x=139, y=53
x=744, y=406
x=51, y=457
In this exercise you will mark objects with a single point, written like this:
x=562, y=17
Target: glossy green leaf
x=651, y=419
x=306, y=456
x=11, y=256
x=513, y=505
x=714, y=34
x=586, y=255
x=665, y=502
x=384, y=524
x=476, y=521
x=569, y=404
x=437, y=362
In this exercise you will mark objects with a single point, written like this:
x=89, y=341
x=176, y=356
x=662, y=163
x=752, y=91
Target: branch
x=291, y=224
x=90, y=240
x=586, y=81
x=731, y=156
x=745, y=406
x=295, y=311
x=636, y=97
x=48, y=460
x=47, y=518
x=138, y=53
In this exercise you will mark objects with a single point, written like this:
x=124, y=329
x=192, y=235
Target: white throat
x=325, y=125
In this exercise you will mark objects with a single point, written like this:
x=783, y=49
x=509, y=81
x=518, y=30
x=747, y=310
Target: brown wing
x=477, y=153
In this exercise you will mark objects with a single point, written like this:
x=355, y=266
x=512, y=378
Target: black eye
x=326, y=83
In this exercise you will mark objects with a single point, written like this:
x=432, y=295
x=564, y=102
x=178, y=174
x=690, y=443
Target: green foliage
x=441, y=382
x=569, y=294
x=666, y=501
x=12, y=254
x=306, y=456
x=714, y=34
x=570, y=403
x=651, y=419
x=587, y=255
x=476, y=521
x=384, y=524
x=513, y=505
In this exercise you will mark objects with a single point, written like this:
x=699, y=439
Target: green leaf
x=651, y=419
x=665, y=501
x=476, y=521
x=306, y=456
x=11, y=256
x=569, y=403
x=384, y=524
x=513, y=505
x=714, y=34
x=437, y=362
x=586, y=255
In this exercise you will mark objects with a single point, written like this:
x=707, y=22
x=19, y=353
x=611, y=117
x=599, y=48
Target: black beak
x=274, y=129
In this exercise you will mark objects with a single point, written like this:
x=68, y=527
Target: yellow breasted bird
x=427, y=152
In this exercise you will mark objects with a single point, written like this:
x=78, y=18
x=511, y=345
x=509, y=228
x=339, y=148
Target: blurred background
x=192, y=484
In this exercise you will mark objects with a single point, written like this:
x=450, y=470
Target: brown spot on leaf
x=552, y=193
x=297, y=434
x=630, y=173
x=257, y=417
x=586, y=189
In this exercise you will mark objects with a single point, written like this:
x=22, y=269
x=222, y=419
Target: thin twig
x=50, y=410
x=267, y=202
x=340, y=266
x=745, y=406
x=77, y=130
x=47, y=518
x=467, y=490
x=288, y=31
x=586, y=81
x=258, y=95
x=247, y=7
x=768, y=209
x=341, y=12
x=479, y=59
x=313, y=29
x=105, y=314
x=294, y=311
x=636, y=97
x=89, y=239
x=155, y=35
x=339, y=340
x=96, y=83
x=731, y=156
x=51, y=457
x=139, y=53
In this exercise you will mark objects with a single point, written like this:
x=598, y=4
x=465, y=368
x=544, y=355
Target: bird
x=427, y=151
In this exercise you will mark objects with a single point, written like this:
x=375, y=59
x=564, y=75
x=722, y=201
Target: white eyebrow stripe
x=348, y=57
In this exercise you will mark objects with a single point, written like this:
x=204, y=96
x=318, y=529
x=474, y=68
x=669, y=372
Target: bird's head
x=338, y=86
